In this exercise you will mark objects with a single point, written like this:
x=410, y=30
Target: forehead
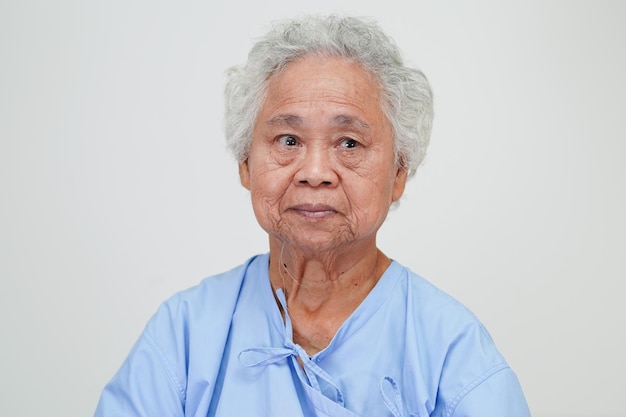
x=326, y=84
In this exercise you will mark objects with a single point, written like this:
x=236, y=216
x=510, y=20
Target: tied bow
x=264, y=356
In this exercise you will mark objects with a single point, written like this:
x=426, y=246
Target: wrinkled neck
x=321, y=291
x=312, y=278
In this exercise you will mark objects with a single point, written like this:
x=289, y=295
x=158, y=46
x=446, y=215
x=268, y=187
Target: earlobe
x=244, y=173
x=399, y=184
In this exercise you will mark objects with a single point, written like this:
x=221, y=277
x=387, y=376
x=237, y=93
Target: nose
x=316, y=169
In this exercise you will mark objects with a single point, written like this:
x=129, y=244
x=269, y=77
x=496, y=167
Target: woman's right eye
x=288, y=140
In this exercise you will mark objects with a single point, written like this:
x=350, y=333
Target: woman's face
x=321, y=168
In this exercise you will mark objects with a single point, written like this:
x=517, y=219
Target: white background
x=117, y=191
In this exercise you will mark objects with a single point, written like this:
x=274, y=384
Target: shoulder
x=435, y=309
x=181, y=347
x=189, y=330
x=207, y=304
x=440, y=323
x=457, y=350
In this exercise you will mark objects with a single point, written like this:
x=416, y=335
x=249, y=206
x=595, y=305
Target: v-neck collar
x=368, y=307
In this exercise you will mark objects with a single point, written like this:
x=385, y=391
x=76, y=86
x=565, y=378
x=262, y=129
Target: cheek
x=267, y=189
x=367, y=198
x=267, y=182
x=370, y=196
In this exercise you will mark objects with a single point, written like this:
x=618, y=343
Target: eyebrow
x=340, y=120
x=350, y=121
x=286, y=119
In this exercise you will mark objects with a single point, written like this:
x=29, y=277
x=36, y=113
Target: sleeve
x=476, y=380
x=173, y=366
x=143, y=387
x=500, y=395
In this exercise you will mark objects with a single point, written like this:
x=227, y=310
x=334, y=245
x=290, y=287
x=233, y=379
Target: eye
x=288, y=140
x=349, y=143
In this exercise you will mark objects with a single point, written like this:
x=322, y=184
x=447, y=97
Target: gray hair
x=406, y=95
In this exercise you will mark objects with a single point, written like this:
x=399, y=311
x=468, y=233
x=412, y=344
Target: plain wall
x=117, y=191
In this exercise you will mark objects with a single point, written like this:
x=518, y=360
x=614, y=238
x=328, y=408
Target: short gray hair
x=406, y=95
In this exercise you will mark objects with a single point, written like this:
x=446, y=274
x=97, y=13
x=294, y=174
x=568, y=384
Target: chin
x=319, y=242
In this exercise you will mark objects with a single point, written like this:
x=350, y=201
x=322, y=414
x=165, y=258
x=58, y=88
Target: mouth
x=314, y=211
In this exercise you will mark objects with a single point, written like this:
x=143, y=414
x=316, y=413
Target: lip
x=314, y=211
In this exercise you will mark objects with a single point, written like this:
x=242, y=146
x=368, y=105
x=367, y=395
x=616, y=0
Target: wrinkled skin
x=322, y=177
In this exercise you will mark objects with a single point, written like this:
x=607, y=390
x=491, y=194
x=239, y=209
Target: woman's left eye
x=349, y=143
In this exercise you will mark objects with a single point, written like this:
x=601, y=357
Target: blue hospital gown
x=222, y=349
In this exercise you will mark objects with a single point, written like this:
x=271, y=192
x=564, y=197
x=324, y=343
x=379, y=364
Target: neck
x=323, y=289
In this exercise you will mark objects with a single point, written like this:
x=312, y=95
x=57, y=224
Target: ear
x=244, y=173
x=399, y=183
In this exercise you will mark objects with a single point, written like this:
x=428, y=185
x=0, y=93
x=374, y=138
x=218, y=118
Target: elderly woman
x=327, y=125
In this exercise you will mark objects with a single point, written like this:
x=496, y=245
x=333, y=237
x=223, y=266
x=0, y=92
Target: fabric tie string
x=393, y=404
x=264, y=356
